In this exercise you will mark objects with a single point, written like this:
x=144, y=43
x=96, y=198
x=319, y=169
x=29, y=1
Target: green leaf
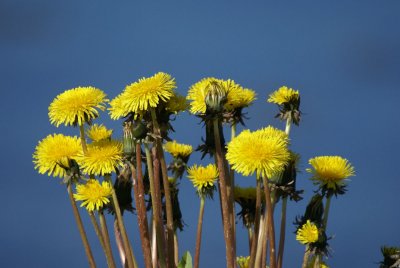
x=186, y=261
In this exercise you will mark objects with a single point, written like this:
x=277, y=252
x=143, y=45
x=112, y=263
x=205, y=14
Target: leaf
x=186, y=261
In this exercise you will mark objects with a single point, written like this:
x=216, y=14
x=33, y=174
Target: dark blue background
x=343, y=56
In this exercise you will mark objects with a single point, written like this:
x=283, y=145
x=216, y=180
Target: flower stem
x=83, y=139
x=282, y=232
x=250, y=235
x=97, y=231
x=257, y=219
x=198, y=237
x=167, y=192
x=326, y=211
x=270, y=222
x=82, y=233
x=223, y=179
x=176, y=250
x=125, y=241
x=106, y=239
x=141, y=206
x=305, y=258
x=156, y=205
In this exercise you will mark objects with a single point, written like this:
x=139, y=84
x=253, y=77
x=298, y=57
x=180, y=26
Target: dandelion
x=308, y=233
x=264, y=152
x=54, y=152
x=93, y=194
x=77, y=106
x=101, y=158
x=284, y=95
x=203, y=177
x=177, y=149
x=117, y=109
x=99, y=132
x=243, y=262
x=148, y=92
x=330, y=171
x=176, y=104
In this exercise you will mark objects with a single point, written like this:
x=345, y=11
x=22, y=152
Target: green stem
x=326, y=211
x=176, y=251
x=229, y=246
x=167, y=191
x=125, y=241
x=199, y=229
x=282, y=232
x=106, y=239
x=82, y=233
x=138, y=190
x=156, y=205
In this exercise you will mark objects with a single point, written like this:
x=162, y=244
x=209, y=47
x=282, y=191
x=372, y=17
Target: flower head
x=148, y=92
x=177, y=149
x=236, y=96
x=99, y=132
x=330, y=171
x=101, y=158
x=284, y=95
x=93, y=194
x=117, y=108
x=308, y=233
x=264, y=152
x=77, y=106
x=176, y=104
x=53, y=154
x=203, y=178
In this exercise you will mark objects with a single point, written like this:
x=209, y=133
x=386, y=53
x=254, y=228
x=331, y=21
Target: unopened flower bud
x=215, y=98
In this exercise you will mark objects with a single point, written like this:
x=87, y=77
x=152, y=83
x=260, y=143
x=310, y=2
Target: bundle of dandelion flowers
x=77, y=106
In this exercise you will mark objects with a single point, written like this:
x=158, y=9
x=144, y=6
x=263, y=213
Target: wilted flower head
x=77, y=106
x=308, y=233
x=53, y=154
x=330, y=171
x=99, y=132
x=93, y=194
x=263, y=152
x=203, y=178
x=102, y=158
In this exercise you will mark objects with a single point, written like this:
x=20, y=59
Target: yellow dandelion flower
x=243, y=262
x=176, y=104
x=264, y=152
x=99, y=132
x=77, y=106
x=93, y=194
x=308, y=233
x=117, y=108
x=283, y=95
x=330, y=170
x=237, y=96
x=178, y=149
x=148, y=92
x=197, y=94
x=53, y=152
x=203, y=177
x=101, y=158
x=243, y=97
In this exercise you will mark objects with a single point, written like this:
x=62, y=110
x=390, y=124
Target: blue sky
x=343, y=56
